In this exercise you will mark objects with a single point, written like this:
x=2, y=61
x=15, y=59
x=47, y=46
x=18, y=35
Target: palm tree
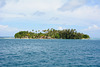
x=33, y=30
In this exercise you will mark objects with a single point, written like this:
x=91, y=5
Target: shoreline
x=53, y=39
x=48, y=39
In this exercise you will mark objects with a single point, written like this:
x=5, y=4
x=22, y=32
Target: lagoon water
x=49, y=53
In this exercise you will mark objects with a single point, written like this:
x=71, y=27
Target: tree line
x=52, y=34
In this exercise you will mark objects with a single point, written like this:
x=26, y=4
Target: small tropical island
x=51, y=34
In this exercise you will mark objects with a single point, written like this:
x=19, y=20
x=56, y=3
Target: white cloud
x=85, y=15
x=93, y=28
x=9, y=15
x=82, y=14
x=85, y=12
x=6, y=30
x=93, y=31
x=3, y=26
x=60, y=28
x=30, y=6
x=72, y=5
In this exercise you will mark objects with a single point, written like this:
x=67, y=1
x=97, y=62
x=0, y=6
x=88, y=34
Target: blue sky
x=17, y=15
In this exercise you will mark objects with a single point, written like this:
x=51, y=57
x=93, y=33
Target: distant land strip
x=51, y=34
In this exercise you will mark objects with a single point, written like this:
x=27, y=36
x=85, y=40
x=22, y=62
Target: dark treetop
x=51, y=34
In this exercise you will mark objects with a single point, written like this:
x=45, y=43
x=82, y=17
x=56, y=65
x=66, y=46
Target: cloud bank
x=76, y=9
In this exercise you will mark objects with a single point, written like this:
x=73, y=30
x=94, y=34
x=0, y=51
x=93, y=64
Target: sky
x=23, y=15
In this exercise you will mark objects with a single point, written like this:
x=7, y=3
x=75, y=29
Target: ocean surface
x=49, y=53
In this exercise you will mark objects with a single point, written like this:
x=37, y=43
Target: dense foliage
x=52, y=34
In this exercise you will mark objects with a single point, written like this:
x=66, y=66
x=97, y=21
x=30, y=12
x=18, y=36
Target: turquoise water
x=49, y=53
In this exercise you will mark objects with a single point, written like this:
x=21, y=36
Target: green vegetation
x=52, y=34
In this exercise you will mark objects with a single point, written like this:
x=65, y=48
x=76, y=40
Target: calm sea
x=49, y=53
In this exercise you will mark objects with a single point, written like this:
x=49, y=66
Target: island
x=51, y=34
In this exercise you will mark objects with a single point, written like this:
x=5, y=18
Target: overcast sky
x=17, y=15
